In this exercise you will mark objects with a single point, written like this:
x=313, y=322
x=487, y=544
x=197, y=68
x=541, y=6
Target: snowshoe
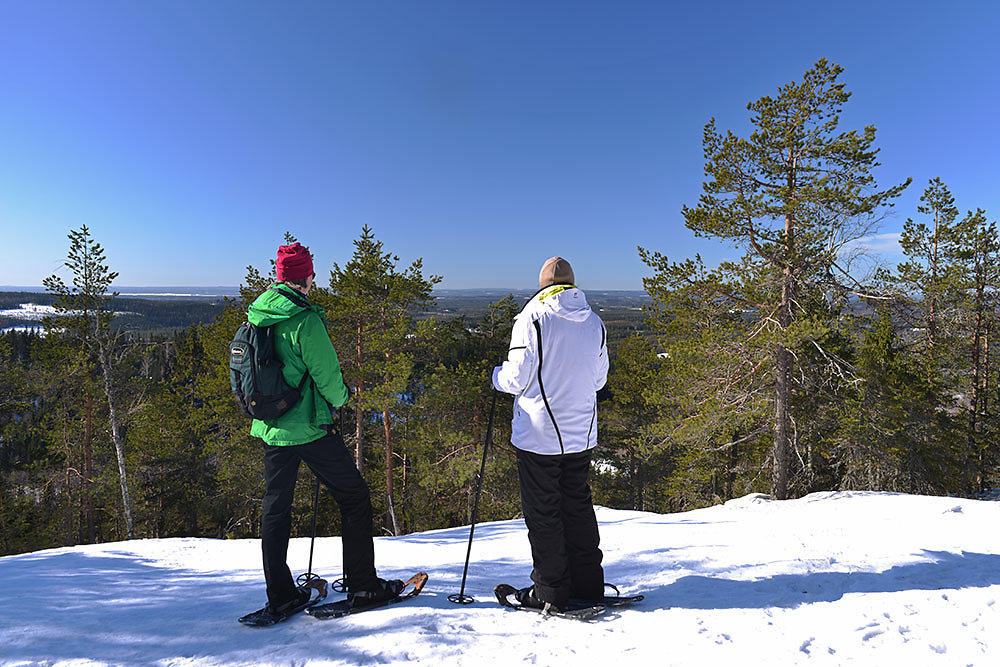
x=524, y=599
x=390, y=592
x=303, y=599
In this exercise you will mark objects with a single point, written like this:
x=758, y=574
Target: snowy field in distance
x=28, y=311
x=830, y=579
x=34, y=313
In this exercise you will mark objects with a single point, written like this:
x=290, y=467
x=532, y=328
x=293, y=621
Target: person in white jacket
x=558, y=359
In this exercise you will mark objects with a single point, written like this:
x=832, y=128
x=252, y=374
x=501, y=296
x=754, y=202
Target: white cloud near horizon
x=882, y=244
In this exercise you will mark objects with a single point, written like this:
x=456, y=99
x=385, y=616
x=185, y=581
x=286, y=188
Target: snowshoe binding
x=306, y=596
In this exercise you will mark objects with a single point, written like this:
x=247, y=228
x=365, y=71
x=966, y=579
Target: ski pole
x=308, y=576
x=312, y=542
x=307, y=579
x=461, y=597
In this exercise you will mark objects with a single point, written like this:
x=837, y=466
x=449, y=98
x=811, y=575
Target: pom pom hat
x=294, y=262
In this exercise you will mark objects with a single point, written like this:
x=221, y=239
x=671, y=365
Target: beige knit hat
x=555, y=271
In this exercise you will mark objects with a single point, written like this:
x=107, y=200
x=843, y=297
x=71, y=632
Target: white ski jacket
x=558, y=359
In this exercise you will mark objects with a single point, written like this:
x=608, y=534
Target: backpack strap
x=293, y=296
x=302, y=302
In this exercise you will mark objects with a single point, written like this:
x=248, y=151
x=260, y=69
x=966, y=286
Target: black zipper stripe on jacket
x=593, y=415
x=604, y=333
x=541, y=387
x=519, y=347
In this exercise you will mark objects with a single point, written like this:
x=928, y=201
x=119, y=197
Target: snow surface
x=28, y=311
x=34, y=311
x=830, y=579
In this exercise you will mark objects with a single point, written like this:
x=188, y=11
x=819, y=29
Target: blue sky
x=483, y=137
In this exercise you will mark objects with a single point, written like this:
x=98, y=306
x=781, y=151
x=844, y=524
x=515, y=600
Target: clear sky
x=481, y=136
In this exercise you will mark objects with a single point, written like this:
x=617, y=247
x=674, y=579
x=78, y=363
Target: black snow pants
x=562, y=526
x=333, y=465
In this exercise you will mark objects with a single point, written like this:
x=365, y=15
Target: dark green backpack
x=255, y=371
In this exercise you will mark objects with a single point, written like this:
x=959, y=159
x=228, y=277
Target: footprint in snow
x=872, y=635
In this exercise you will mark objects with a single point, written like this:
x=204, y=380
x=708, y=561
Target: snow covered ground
x=28, y=311
x=830, y=579
x=35, y=313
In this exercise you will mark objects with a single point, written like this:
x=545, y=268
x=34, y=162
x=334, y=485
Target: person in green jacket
x=306, y=433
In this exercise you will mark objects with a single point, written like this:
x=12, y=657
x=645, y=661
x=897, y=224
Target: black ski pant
x=562, y=526
x=333, y=465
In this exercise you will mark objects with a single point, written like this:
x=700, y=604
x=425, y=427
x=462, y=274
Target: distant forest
x=789, y=370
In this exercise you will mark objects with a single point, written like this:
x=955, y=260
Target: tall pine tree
x=369, y=311
x=84, y=313
x=790, y=196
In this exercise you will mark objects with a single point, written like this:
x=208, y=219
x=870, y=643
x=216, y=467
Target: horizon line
x=235, y=288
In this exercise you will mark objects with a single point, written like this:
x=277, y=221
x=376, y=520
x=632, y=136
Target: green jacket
x=301, y=342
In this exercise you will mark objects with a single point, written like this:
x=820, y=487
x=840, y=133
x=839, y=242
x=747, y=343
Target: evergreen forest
x=800, y=366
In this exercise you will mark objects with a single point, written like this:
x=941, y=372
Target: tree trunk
x=733, y=463
x=984, y=393
x=932, y=315
x=977, y=376
x=68, y=480
x=118, y=438
x=388, y=473
x=88, y=468
x=782, y=424
x=974, y=420
x=359, y=458
x=359, y=454
x=984, y=381
x=783, y=361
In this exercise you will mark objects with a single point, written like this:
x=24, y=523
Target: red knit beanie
x=294, y=262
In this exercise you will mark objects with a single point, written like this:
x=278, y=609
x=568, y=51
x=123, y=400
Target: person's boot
x=529, y=598
x=384, y=589
x=302, y=596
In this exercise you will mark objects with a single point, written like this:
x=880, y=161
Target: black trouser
x=562, y=526
x=329, y=459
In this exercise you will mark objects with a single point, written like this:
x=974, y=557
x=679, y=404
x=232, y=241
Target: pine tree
x=714, y=388
x=947, y=288
x=929, y=269
x=791, y=196
x=893, y=434
x=977, y=260
x=84, y=314
x=369, y=311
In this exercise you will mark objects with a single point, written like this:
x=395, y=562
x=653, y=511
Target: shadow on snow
x=945, y=571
